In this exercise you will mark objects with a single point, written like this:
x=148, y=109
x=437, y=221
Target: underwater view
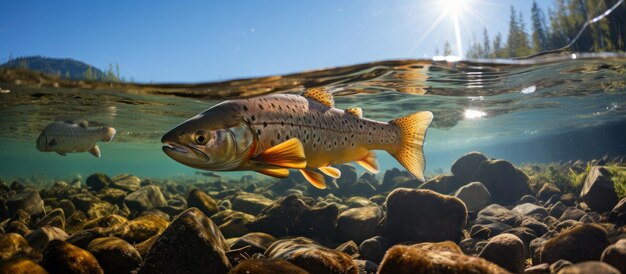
x=497, y=155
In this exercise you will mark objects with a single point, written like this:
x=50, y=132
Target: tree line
x=554, y=31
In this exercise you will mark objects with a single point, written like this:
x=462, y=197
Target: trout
x=69, y=136
x=272, y=134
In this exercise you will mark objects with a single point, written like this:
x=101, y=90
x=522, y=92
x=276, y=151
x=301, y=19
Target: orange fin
x=288, y=154
x=277, y=173
x=316, y=179
x=358, y=112
x=320, y=95
x=331, y=171
x=369, y=162
x=413, y=131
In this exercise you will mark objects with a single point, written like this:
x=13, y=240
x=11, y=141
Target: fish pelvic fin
x=276, y=172
x=369, y=162
x=109, y=133
x=321, y=95
x=331, y=171
x=316, y=179
x=95, y=151
x=412, y=130
x=288, y=154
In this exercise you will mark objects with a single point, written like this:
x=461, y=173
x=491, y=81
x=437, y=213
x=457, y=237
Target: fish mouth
x=173, y=147
x=184, y=153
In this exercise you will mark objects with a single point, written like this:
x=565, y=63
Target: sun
x=453, y=7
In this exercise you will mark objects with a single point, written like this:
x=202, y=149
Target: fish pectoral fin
x=331, y=171
x=316, y=179
x=276, y=173
x=61, y=153
x=358, y=112
x=321, y=95
x=369, y=162
x=52, y=143
x=288, y=154
x=95, y=151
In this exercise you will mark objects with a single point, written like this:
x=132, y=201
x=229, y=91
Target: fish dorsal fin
x=358, y=112
x=369, y=162
x=316, y=179
x=52, y=143
x=331, y=171
x=288, y=154
x=277, y=172
x=95, y=151
x=320, y=95
x=83, y=123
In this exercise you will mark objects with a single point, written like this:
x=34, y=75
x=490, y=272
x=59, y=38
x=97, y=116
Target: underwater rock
x=98, y=181
x=538, y=269
x=279, y=218
x=448, y=246
x=617, y=215
x=84, y=201
x=505, y=183
x=486, y=231
x=236, y=225
x=350, y=248
x=358, y=224
x=530, y=199
x=192, y=243
x=67, y=206
x=56, y=218
x=589, y=267
x=112, y=195
x=423, y=216
x=142, y=228
x=17, y=227
x=28, y=200
x=126, y=182
x=547, y=191
x=145, y=198
x=505, y=250
x=259, y=242
x=465, y=168
x=312, y=257
x=75, y=222
x=316, y=222
x=497, y=213
x=392, y=178
x=13, y=245
x=266, y=266
x=22, y=266
x=444, y=184
x=40, y=238
x=567, y=245
x=115, y=255
x=225, y=215
x=63, y=257
x=558, y=265
x=572, y=213
x=348, y=175
x=615, y=255
x=402, y=259
x=557, y=210
x=206, y=204
x=474, y=195
x=112, y=220
x=366, y=267
x=357, y=201
x=598, y=191
x=538, y=227
x=373, y=249
x=529, y=209
x=250, y=203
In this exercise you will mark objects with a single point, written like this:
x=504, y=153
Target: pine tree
x=539, y=36
x=486, y=44
x=512, y=39
x=497, y=46
x=522, y=36
x=447, y=49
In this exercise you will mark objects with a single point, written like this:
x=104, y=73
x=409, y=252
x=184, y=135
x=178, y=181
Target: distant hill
x=62, y=67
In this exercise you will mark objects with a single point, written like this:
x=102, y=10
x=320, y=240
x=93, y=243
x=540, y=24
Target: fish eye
x=201, y=138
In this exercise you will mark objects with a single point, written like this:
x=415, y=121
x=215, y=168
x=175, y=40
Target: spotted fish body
x=273, y=133
x=68, y=137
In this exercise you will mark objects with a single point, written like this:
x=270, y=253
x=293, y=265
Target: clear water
x=541, y=110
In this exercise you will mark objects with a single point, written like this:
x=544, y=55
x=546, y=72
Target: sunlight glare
x=473, y=114
x=453, y=6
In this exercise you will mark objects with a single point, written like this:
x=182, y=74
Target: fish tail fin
x=109, y=133
x=412, y=130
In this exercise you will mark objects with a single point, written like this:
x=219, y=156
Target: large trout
x=274, y=133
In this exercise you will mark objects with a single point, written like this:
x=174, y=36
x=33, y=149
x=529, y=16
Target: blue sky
x=194, y=41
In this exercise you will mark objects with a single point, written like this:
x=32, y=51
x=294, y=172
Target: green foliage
x=618, y=176
x=64, y=68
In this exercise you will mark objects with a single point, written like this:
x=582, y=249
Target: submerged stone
x=63, y=257
x=312, y=257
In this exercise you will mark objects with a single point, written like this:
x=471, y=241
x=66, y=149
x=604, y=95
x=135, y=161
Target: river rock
x=589, y=267
x=572, y=213
x=557, y=210
x=22, y=266
x=41, y=237
x=598, y=191
x=358, y=224
x=206, y=204
x=448, y=246
x=615, y=255
x=13, y=245
x=497, y=213
x=475, y=196
x=63, y=257
x=145, y=198
x=56, y=218
x=28, y=200
x=279, y=218
x=115, y=255
x=505, y=250
x=317, y=222
x=529, y=209
x=267, y=266
x=259, y=242
x=192, y=243
x=142, y=228
x=126, y=182
x=401, y=259
x=250, y=203
x=113, y=195
x=312, y=257
x=444, y=184
x=67, y=206
x=465, y=168
x=98, y=181
x=423, y=216
x=373, y=249
x=505, y=183
x=547, y=191
x=567, y=245
x=617, y=215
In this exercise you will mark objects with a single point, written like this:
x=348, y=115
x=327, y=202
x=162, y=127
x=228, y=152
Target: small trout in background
x=68, y=136
x=274, y=133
